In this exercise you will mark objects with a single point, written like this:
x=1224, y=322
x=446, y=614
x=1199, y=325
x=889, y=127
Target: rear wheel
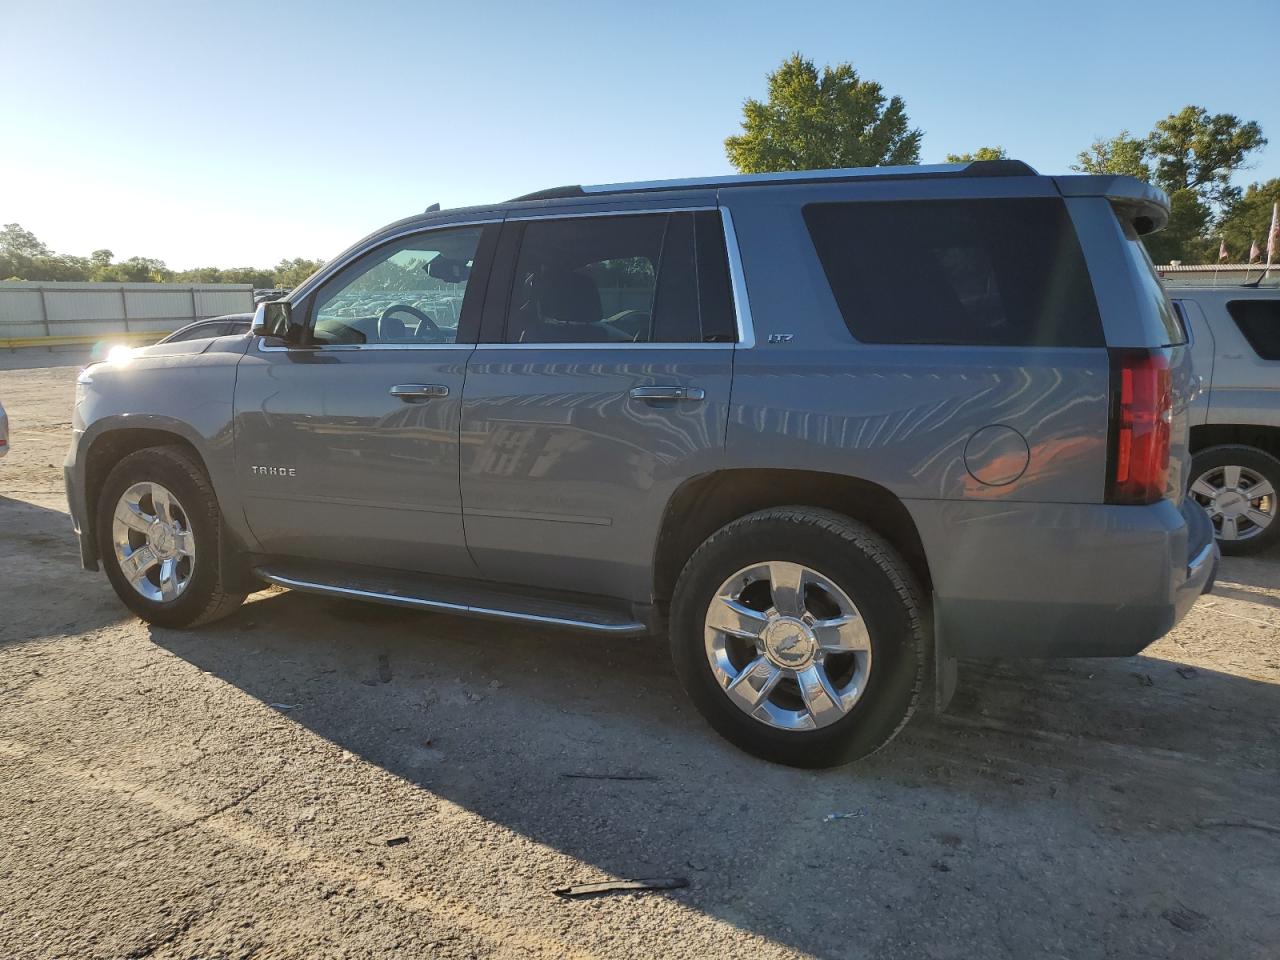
x=1237, y=484
x=798, y=634
x=159, y=532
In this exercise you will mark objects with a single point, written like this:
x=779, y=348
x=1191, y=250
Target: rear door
x=605, y=386
x=347, y=445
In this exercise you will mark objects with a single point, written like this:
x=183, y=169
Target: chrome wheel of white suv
x=1237, y=485
x=153, y=541
x=1241, y=503
x=787, y=645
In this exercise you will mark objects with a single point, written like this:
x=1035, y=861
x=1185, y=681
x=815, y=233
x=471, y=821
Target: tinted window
x=1160, y=323
x=409, y=291
x=715, y=296
x=1259, y=321
x=616, y=279
x=986, y=272
x=197, y=331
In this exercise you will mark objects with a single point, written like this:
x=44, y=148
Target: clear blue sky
x=238, y=133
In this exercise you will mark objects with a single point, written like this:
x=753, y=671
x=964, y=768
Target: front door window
x=408, y=292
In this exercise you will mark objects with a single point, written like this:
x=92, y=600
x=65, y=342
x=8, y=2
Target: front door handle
x=668, y=393
x=418, y=392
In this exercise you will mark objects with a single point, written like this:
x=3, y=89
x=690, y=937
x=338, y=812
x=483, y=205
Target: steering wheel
x=422, y=317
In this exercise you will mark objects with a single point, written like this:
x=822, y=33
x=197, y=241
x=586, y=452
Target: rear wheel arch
x=704, y=504
x=1265, y=438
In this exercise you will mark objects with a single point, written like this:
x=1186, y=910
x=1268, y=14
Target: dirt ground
x=314, y=778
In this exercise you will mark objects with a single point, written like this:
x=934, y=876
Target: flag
x=1254, y=252
x=1222, y=249
x=1273, y=235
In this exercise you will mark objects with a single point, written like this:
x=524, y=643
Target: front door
x=609, y=388
x=347, y=445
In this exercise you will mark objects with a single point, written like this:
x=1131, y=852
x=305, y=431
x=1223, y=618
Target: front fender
x=146, y=401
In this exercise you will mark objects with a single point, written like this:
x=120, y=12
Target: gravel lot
x=314, y=778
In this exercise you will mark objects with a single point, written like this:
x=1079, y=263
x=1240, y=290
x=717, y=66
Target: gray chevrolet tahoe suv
x=828, y=430
x=1235, y=418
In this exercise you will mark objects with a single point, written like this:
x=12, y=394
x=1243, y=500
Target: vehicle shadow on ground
x=1038, y=775
x=43, y=584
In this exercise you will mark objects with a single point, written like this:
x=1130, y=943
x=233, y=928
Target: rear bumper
x=1062, y=580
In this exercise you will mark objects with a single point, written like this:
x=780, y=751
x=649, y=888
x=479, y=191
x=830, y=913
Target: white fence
x=36, y=309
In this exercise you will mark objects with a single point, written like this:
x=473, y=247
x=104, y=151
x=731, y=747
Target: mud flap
x=945, y=670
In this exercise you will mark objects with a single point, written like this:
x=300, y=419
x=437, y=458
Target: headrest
x=568, y=297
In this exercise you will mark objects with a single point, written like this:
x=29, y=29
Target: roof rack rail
x=975, y=168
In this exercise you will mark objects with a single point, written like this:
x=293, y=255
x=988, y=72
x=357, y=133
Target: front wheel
x=159, y=529
x=798, y=634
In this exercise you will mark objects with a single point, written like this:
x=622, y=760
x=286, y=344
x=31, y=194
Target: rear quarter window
x=1259, y=321
x=1162, y=326
x=1001, y=272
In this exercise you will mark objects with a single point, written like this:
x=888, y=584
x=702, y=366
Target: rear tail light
x=1141, y=418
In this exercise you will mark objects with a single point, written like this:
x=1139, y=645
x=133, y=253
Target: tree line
x=818, y=119
x=23, y=256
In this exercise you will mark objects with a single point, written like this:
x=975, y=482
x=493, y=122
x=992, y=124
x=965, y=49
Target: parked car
x=228, y=325
x=852, y=425
x=4, y=431
x=1235, y=417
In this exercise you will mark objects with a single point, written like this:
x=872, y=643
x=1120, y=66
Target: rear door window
x=1006, y=272
x=1259, y=321
x=622, y=278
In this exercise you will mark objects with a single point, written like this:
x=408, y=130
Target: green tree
x=1249, y=220
x=101, y=258
x=14, y=239
x=1195, y=151
x=814, y=121
x=1191, y=155
x=1122, y=154
x=290, y=273
x=18, y=248
x=253, y=275
x=1185, y=235
x=134, y=270
x=56, y=267
x=982, y=153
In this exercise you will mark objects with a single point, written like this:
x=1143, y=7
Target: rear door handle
x=668, y=393
x=418, y=392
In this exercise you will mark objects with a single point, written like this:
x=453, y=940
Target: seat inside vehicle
x=563, y=306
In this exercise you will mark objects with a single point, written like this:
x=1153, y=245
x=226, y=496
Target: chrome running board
x=459, y=597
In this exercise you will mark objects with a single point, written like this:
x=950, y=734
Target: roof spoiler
x=1143, y=206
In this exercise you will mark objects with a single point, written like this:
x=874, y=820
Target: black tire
x=205, y=597
x=873, y=576
x=1257, y=461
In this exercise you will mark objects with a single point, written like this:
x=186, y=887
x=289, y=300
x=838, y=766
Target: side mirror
x=275, y=319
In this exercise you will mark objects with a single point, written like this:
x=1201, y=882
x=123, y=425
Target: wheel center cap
x=1232, y=503
x=162, y=540
x=789, y=642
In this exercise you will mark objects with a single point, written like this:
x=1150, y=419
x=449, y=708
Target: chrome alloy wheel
x=787, y=646
x=154, y=545
x=1240, y=501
